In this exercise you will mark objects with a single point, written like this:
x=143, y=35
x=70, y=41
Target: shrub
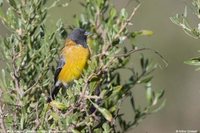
x=93, y=102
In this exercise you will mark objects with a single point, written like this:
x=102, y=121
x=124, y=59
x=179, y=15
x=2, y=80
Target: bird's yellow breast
x=76, y=57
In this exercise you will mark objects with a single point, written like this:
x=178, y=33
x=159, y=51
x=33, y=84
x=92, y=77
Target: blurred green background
x=180, y=81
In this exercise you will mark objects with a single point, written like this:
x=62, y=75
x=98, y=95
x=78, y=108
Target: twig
x=124, y=25
x=106, y=45
x=37, y=121
x=92, y=97
x=89, y=128
x=2, y=115
x=86, y=86
x=130, y=52
x=141, y=49
x=15, y=75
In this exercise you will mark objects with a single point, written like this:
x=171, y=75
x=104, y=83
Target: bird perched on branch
x=72, y=61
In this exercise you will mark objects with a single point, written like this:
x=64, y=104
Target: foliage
x=92, y=103
x=182, y=21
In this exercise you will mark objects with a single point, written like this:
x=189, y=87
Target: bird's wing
x=56, y=87
x=61, y=63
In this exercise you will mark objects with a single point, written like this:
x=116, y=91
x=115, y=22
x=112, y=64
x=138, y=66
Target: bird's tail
x=53, y=93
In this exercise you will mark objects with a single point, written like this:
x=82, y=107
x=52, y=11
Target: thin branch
x=37, y=121
x=124, y=25
x=86, y=85
x=107, y=46
x=92, y=97
x=141, y=49
x=15, y=75
x=2, y=115
x=130, y=52
x=89, y=128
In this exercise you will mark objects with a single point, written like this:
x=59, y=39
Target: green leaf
x=175, y=19
x=75, y=131
x=146, y=33
x=117, y=89
x=3, y=80
x=107, y=115
x=158, y=96
x=106, y=128
x=58, y=105
x=103, y=93
x=55, y=116
x=113, y=13
x=146, y=80
x=124, y=13
x=141, y=33
x=194, y=61
x=185, y=12
x=149, y=93
x=97, y=130
x=13, y=3
x=162, y=105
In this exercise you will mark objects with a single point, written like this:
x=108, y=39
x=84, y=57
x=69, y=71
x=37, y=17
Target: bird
x=72, y=61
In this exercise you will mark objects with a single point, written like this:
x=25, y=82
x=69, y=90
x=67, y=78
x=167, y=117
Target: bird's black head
x=79, y=36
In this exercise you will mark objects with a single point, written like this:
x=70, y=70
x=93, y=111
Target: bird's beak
x=87, y=33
